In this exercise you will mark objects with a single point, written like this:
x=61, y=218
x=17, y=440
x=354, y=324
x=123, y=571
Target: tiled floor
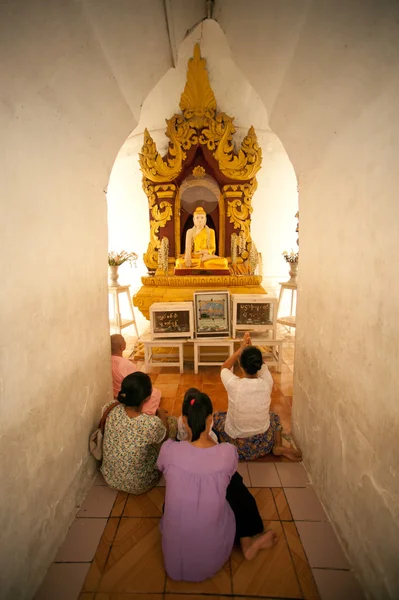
x=113, y=549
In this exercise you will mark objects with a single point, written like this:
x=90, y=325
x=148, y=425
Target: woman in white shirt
x=248, y=424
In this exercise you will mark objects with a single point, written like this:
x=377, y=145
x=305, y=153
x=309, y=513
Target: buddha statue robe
x=200, y=248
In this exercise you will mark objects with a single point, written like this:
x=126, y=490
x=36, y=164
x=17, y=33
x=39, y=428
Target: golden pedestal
x=181, y=289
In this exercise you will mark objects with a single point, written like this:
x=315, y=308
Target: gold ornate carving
x=177, y=224
x=247, y=163
x=239, y=208
x=199, y=172
x=185, y=281
x=161, y=213
x=154, y=167
x=198, y=100
x=199, y=124
x=222, y=226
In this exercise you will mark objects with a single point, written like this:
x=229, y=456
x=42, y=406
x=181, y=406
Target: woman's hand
x=246, y=340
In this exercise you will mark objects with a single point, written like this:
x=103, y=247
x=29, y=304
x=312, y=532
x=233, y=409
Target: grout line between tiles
x=73, y=562
x=292, y=560
x=108, y=555
x=331, y=569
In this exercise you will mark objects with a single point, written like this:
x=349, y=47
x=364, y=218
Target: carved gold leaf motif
x=199, y=124
x=198, y=96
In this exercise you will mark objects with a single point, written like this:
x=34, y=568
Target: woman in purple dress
x=207, y=506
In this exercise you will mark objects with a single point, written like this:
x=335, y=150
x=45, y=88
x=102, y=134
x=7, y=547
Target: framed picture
x=254, y=312
x=171, y=319
x=212, y=314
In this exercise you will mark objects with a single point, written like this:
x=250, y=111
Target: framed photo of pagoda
x=212, y=314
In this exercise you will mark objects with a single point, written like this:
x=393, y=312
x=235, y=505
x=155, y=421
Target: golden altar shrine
x=200, y=169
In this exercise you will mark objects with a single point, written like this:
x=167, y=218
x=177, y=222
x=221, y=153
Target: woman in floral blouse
x=132, y=439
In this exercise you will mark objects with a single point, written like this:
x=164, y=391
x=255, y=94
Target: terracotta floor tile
x=219, y=584
x=176, y=412
x=86, y=596
x=168, y=390
x=210, y=376
x=188, y=380
x=242, y=469
x=305, y=505
x=153, y=377
x=63, y=581
x=135, y=563
x=168, y=404
x=281, y=503
x=168, y=378
x=302, y=568
x=292, y=475
x=220, y=404
x=81, y=541
x=182, y=389
x=263, y=474
x=276, y=392
x=215, y=392
x=265, y=503
x=286, y=387
x=321, y=545
x=98, y=502
x=282, y=403
x=334, y=584
x=146, y=505
x=100, y=559
x=99, y=480
x=271, y=573
x=119, y=504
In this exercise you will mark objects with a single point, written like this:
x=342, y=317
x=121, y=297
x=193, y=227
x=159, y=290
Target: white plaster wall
x=327, y=73
x=63, y=117
x=276, y=200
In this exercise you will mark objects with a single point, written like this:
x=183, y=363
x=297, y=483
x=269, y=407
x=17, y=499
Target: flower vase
x=293, y=272
x=113, y=276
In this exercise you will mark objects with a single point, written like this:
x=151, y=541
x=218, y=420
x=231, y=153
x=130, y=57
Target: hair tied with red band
x=192, y=401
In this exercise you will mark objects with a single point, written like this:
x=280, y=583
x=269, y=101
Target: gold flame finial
x=198, y=95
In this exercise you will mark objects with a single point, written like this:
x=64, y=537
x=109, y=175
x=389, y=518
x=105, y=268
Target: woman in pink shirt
x=122, y=367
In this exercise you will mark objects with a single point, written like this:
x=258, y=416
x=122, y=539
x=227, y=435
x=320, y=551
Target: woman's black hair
x=251, y=360
x=135, y=388
x=196, y=407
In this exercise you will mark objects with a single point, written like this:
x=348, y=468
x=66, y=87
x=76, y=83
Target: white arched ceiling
x=275, y=201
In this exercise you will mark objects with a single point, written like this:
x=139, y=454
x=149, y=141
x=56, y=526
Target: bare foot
x=262, y=542
x=291, y=453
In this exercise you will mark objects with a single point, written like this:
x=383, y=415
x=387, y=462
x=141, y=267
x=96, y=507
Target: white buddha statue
x=201, y=246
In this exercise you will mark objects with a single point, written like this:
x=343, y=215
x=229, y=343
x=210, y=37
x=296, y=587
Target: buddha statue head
x=199, y=217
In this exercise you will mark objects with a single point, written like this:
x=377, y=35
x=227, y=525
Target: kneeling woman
x=248, y=424
x=132, y=438
x=207, y=506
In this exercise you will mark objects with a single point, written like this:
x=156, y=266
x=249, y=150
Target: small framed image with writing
x=171, y=319
x=254, y=312
x=212, y=314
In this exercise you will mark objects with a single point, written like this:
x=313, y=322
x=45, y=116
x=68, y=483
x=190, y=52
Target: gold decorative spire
x=198, y=95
